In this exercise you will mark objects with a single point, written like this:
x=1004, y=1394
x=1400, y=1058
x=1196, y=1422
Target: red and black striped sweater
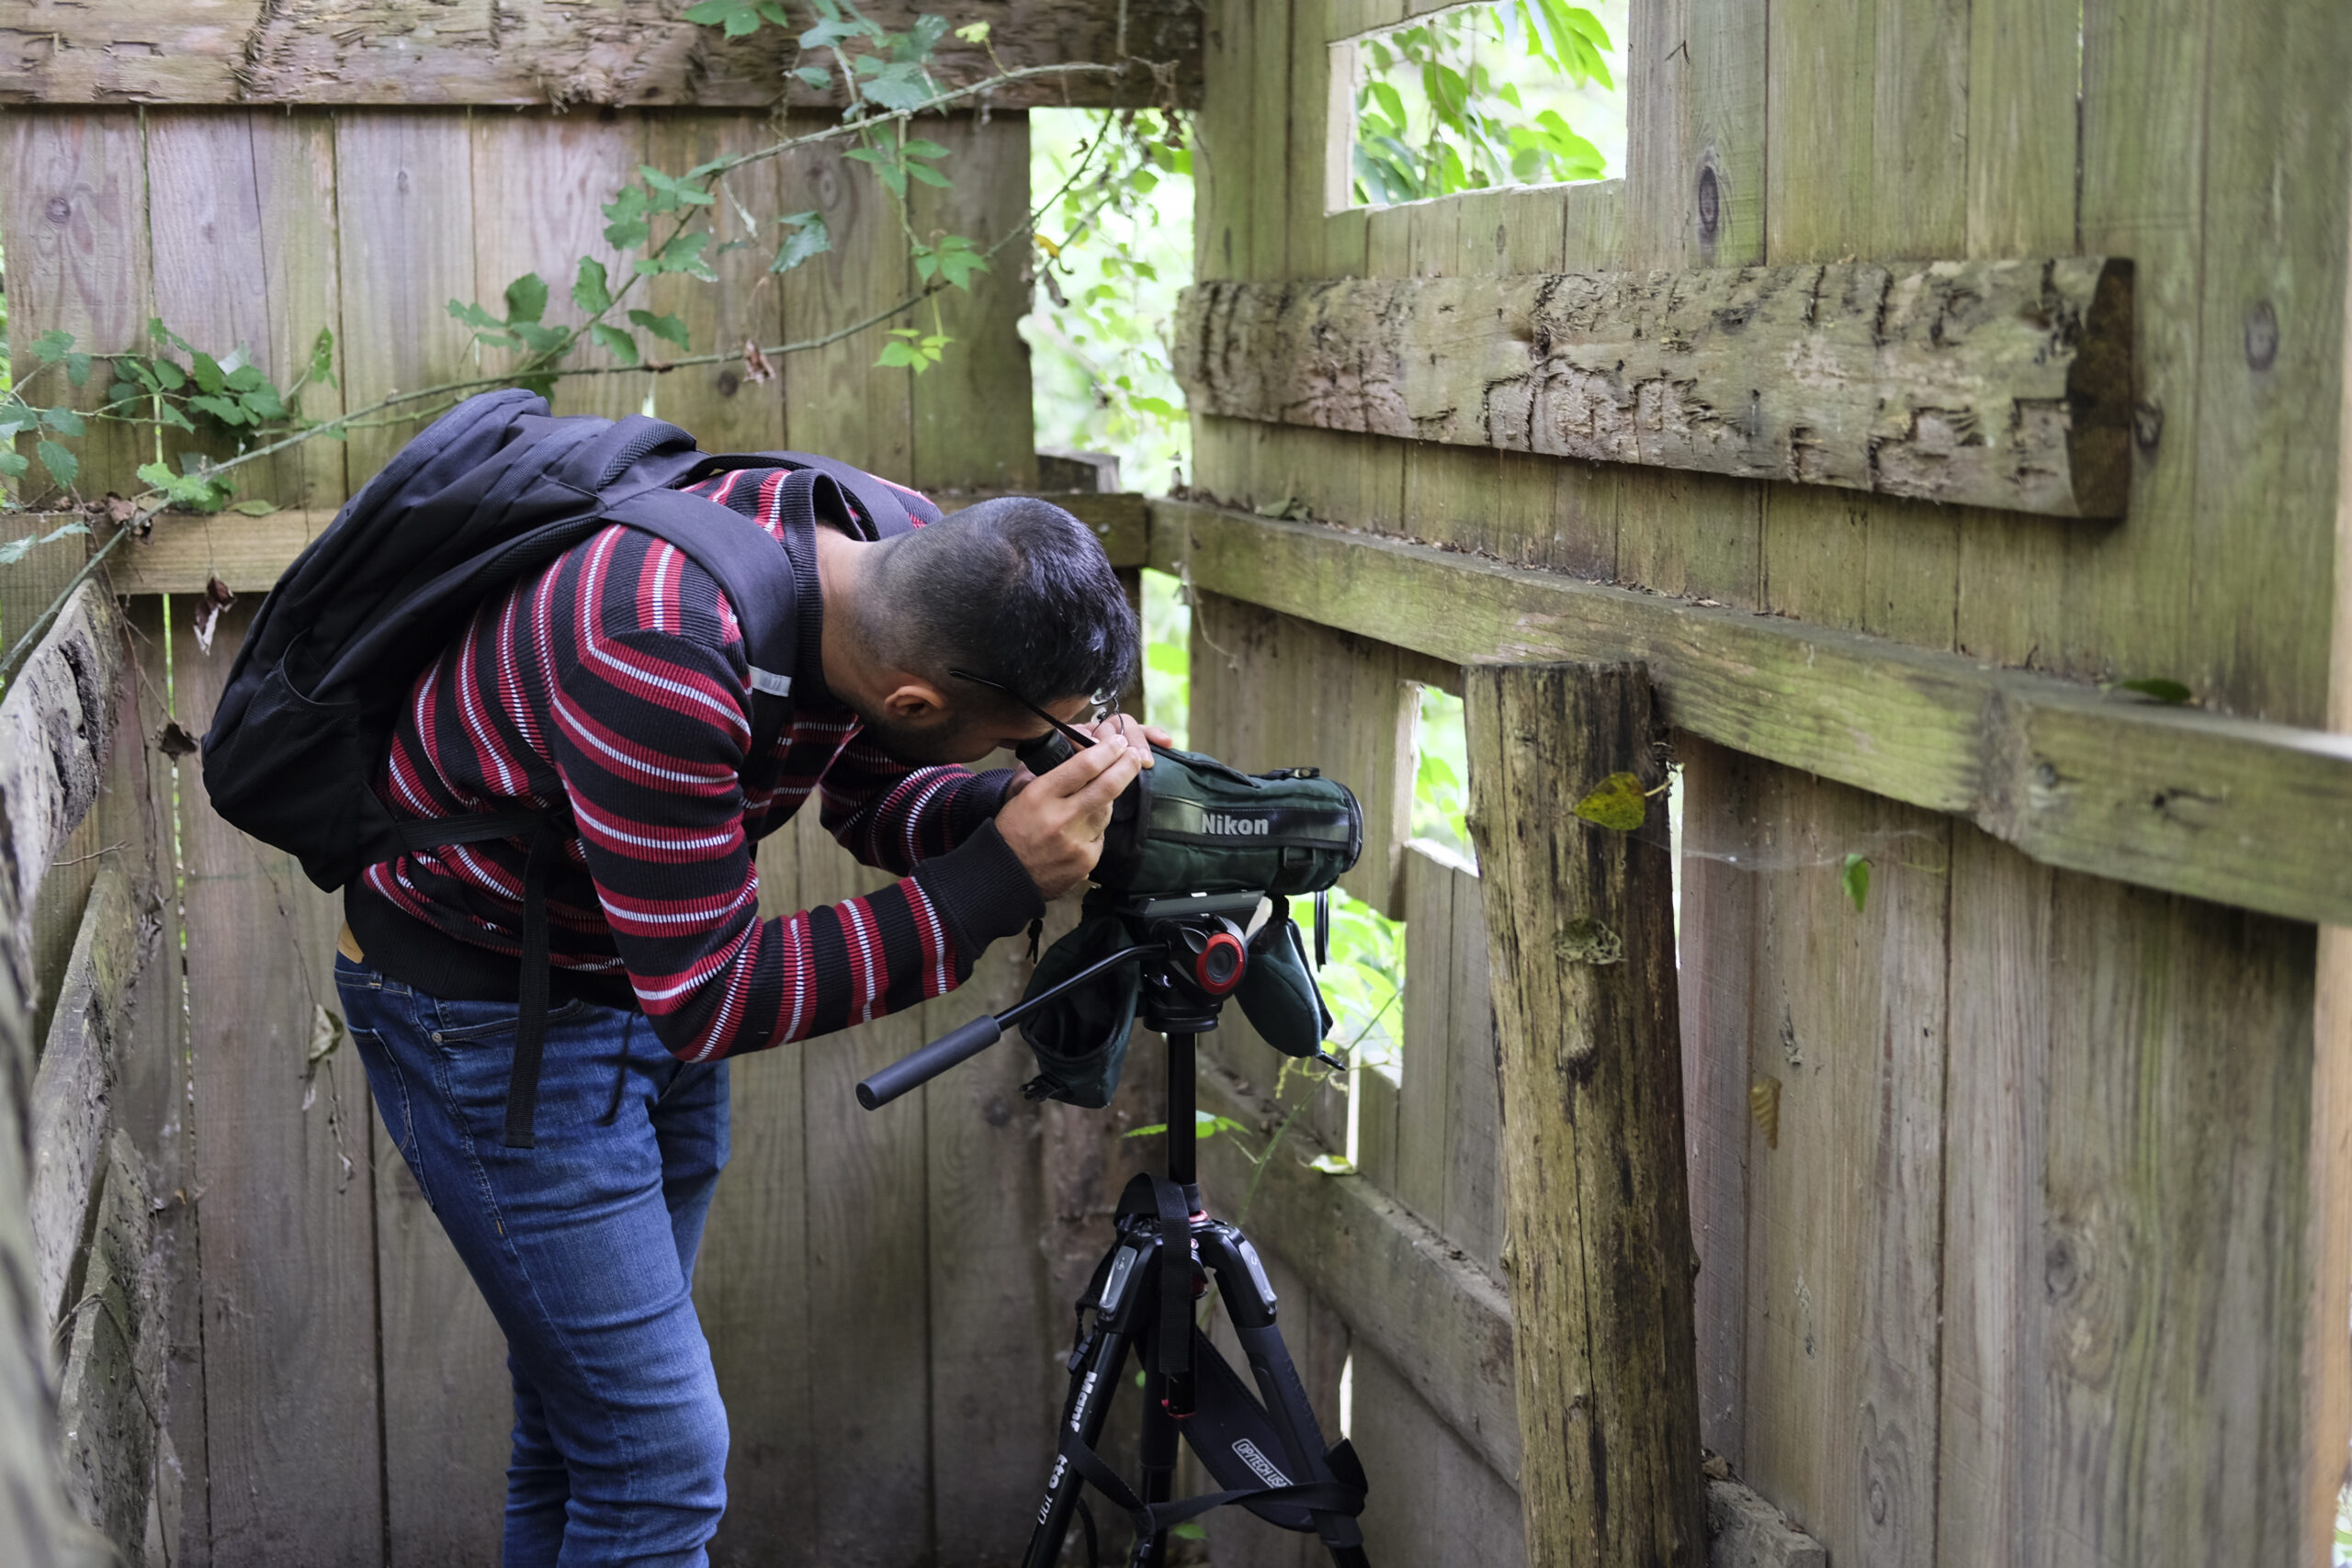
x=614, y=685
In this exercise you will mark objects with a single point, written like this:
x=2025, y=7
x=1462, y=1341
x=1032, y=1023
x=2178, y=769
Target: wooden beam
x=1579, y=920
x=2236, y=811
x=247, y=554
x=56, y=723
x=1989, y=383
x=629, y=53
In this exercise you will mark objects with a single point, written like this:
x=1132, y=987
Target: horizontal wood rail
x=2236, y=811
x=1994, y=383
x=182, y=554
x=629, y=53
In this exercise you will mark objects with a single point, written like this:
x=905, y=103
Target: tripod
x=1265, y=1450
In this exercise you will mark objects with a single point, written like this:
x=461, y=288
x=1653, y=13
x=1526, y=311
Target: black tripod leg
x=1248, y=1306
x=1159, y=1459
x=1091, y=1387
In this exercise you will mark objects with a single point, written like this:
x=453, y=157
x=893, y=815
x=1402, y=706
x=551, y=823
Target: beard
x=925, y=745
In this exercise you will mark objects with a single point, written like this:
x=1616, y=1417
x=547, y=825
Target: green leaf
x=469, y=314
x=919, y=147
x=592, y=291
x=77, y=368
x=208, y=373
x=808, y=238
x=817, y=76
x=13, y=464
x=622, y=346
x=927, y=174
x=1855, y=877
x=735, y=17
x=256, y=508
x=226, y=410
x=1332, y=1165
x=1617, y=803
x=626, y=228
x=51, y=345
x=65, y=421
x=975, y=32
x=667, y=328
x=526, y=298
x=62, y=466
x=2158, y=688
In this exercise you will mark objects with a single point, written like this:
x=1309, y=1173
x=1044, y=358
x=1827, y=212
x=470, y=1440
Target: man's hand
x=1056, y=823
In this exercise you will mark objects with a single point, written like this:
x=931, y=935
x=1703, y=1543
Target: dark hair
x=1015, y=589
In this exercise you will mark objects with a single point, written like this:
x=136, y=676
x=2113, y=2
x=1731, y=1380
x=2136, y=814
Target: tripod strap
x=1175, y=1324
x=1150, y=1518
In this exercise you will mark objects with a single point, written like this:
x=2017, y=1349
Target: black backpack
x=493, y=489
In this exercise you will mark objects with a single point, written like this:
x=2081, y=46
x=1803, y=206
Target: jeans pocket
x=456, y=1021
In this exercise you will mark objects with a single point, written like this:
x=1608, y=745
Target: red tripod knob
x=1216, y=969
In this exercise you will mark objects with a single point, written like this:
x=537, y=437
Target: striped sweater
x=613, y=686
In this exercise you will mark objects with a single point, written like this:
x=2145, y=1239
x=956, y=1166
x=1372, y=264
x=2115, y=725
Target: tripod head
x=1193, y=952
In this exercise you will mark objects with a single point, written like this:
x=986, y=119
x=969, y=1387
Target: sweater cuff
x=978, y=801
x=981, y=891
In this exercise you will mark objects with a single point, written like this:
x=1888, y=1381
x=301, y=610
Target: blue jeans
x=584, y=1247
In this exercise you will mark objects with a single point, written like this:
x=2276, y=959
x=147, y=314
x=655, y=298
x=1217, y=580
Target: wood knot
x=57, y=210
x=1587, y=941
x=2261, y=336
x=1711, y=202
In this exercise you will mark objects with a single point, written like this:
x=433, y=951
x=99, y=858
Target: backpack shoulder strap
x=754, y=573
x=889, y=509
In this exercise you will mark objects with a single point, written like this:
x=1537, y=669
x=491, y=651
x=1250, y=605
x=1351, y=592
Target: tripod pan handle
x=921, y=1067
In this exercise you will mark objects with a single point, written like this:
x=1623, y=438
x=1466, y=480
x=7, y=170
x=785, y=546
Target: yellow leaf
x=1616, y=803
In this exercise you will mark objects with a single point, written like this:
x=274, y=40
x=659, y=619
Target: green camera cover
x=1080, y=1038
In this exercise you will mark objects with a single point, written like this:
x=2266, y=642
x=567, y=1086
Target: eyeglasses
x=1098, y=706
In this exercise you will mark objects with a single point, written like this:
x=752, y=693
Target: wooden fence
x=2022, y=1191
x=2046, y=1254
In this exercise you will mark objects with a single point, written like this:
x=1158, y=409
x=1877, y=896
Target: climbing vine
x=208, y=414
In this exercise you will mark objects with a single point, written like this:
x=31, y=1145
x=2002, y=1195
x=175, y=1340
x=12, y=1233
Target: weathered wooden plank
x=1993, y=383
x=1718, y=968
x=2235, y=811
x=2170, y=1260
x=1994, y=1452
x=995, y=1380
x=37, y=1523
x=181, y=553
x=1695, y=110
x=1434, y=1497
x=449, y=1400
x=241, y=219
x=111, y=1402
x=836, y=400
x=1424, y=1104
x=1441, y=1321
x=1474, y=1217
x=1846, y=1017
x=75, y=218
x=405, y=218
x=72, y=1105
x=282, y=1164
x=1746, y=1531
x=537, y=193
x=1580, y=920
x=56, y=726
x=153, y=1100
x=751, y=1287
x=869, y=1299
x=971, y=413
x=726, y=410
x=639, y=54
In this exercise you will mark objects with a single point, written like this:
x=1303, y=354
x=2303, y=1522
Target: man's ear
x=914, y=701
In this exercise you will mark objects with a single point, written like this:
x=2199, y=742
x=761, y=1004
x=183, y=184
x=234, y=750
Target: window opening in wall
x=1442, y=773
x=1502, y=93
